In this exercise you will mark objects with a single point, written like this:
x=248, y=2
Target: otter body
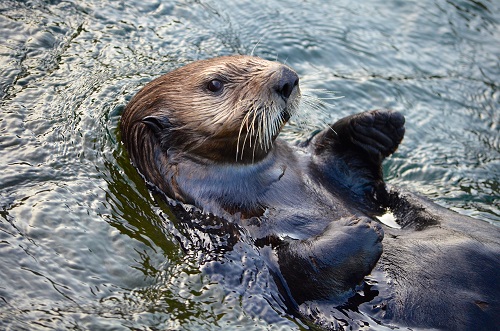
x=206, y=134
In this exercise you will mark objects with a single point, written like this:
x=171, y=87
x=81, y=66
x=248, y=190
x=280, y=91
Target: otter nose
x=287, y=80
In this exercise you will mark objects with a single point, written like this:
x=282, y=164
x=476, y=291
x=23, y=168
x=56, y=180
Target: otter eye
x=215, y=85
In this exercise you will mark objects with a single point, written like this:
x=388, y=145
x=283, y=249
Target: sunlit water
x=84, y=245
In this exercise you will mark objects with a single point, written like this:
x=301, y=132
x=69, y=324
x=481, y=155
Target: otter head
x=225, y=110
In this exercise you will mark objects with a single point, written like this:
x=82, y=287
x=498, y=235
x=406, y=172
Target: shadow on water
x=85, y=245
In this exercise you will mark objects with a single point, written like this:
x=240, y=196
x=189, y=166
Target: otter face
x=227, y=109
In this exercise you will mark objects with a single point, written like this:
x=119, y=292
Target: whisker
x=255, y=46
x=310, y=102
x=262, y=126
x=263, y=122
x=244, y=123
x=269, y=132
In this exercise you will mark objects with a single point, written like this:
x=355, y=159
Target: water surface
x=84, y=245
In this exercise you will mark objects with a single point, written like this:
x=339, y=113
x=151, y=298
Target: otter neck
x=222, y=152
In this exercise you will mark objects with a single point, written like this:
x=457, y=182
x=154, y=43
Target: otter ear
x=157, y=124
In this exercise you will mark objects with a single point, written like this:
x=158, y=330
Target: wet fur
x=313, y=204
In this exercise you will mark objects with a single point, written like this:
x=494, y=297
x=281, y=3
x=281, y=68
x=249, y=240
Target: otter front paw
x=332, y=263
x=376, y=132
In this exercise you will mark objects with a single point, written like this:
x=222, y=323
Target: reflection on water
x=84, y=244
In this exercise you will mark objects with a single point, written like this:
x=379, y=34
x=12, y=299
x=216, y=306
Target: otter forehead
x=233, y=65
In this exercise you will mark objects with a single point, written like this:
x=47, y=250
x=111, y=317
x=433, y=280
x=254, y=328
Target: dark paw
x=326, y=266
x=376, y=132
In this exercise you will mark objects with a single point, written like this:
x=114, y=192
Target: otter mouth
x=257, y=132
x=263, y=122
x=291, y=105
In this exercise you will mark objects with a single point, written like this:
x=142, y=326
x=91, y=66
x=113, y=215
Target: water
x=84, y=245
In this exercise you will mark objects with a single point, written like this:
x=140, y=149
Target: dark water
x=84, y=245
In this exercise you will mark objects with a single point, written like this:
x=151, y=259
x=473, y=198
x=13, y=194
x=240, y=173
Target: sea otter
x=206, y=134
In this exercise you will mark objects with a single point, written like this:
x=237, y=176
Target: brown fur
x=206, y=126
